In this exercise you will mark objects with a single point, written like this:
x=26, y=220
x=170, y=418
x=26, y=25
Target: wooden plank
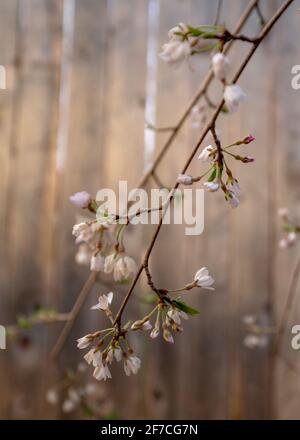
x=27, y=216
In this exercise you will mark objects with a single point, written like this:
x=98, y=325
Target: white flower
x=109, y=263
x=283, y=244
x=220, y=65
x=233, y=95
x=131, y=365
x=114, y=353
x=199, y=116
x=167, y=335
x=83, y=255
x=102, y=372
x=84, y=342
x=103, y=302
x=203, y=279
x=104, y=218
x=175, y=51
x=205, y=155
x=124, y=268
x=178, y=31
x=235, y=188
x=73, y=395
x=52, y=396
x=176, y=315
x=292, y=237
x=140, y=325
x=90, y=389
x=233, y=199
x=68, y=406
x=155, y=332
x=283, y=213
x=97, y=262
x=185, y=179
x=82, y=232
x=249, y=319
x=211, y=186
x=94, y=357
x=255, y=341
x=81, y=199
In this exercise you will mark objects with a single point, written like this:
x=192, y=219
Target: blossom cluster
x=100, y=241
x=112, y=344
x=75, y=393
x=214, y=156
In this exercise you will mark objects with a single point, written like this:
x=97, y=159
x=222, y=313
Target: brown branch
x=73, y=315
x=144, y=180
x=209, y=126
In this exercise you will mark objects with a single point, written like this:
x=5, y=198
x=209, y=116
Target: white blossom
x=83, y=255
x=255, y=341
x=103, y=302
x=199, y=116
x=175, y=51
x=90, y=389
x=131, y=365
x=97, y=262
x=122, y=266
x=93, y=357
x=52, y=396
x=220, y=65
x=292, y=237
x=105, y=218
x=68, y=406
x=233, y=96
x=155, y=332
x=167, y=335
x=283, y=212
x=203, y=279
x=185, y=179
x=83, y=232
x=114, y=353
x=205, y=155
x=109, y=263
x=233, y=199
x=211, y=186
x=178, y=31
x=176, y=315
x=102, y=372
x=84, y=342
x=81, y=199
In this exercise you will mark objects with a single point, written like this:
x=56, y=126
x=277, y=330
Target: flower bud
x=185, y=179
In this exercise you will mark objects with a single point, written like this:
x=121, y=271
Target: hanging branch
x=152, y=170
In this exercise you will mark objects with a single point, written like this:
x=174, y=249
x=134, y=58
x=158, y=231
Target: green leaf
x=185, y=307
x=213, y=175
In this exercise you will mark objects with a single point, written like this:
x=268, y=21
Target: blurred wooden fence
x=80, y=74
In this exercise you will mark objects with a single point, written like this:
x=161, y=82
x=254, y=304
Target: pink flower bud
x=81, y=199
x=185, y=179
x=249, y=139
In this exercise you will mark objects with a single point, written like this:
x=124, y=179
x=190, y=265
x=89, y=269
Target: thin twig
x=218, y=13
x=72, y=315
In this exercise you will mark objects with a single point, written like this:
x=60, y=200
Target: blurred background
x=82, y=78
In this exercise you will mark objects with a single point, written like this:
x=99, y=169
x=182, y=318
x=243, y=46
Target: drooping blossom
x=220, y=65
x=81, y=199
x=233, y=96
x=203, y=279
